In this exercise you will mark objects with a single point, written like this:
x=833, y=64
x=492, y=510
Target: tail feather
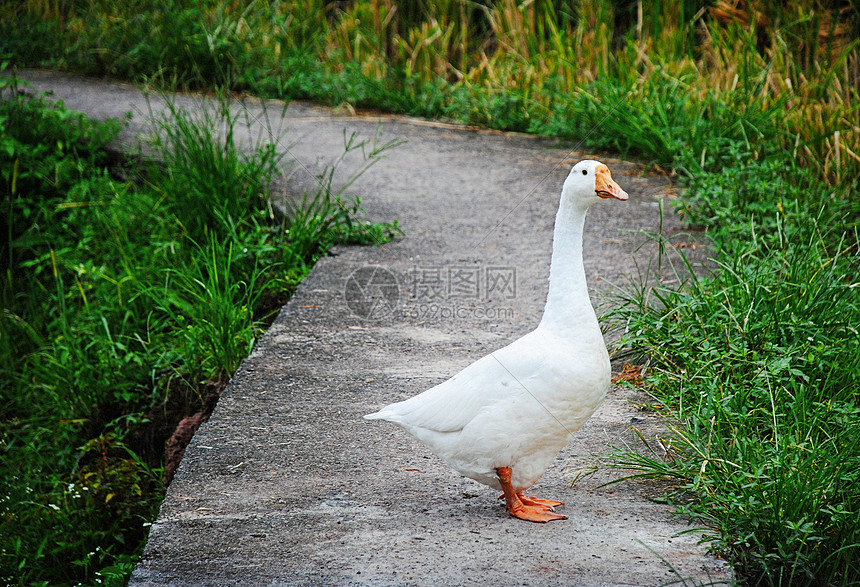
x=385, y=413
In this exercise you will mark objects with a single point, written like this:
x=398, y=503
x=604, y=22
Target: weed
x=329, y=215
x=213, y=313
x=757, y=362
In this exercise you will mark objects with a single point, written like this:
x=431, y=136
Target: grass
x=754, y=107
x=536, y=66
x=756, y=364
x=130, y=289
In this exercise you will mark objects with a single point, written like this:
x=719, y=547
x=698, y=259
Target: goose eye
x=584, y=172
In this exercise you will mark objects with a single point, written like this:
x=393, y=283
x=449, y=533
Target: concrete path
x=287, y=485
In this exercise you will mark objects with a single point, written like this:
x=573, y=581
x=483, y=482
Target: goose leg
x=531, y=511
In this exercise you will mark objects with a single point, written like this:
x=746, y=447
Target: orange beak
x=605, y=186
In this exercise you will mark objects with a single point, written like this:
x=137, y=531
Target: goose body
x=502, y=419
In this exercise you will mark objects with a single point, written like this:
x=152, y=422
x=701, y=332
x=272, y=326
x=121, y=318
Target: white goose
x=502, y=419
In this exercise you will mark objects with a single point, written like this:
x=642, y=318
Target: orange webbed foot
x=535, y=513
x=536, y=501
x=532, y=509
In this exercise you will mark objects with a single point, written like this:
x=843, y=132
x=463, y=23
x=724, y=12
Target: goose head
x=588, y=182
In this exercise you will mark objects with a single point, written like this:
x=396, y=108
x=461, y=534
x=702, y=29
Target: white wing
x=451, y=405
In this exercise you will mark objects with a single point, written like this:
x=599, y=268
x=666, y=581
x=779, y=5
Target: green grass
x=754, y=106
x=124, y=301
x=756, y=365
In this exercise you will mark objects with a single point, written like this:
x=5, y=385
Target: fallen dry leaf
x=631, y=374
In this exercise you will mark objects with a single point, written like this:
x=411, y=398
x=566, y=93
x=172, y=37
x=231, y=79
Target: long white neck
x=568, y=308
